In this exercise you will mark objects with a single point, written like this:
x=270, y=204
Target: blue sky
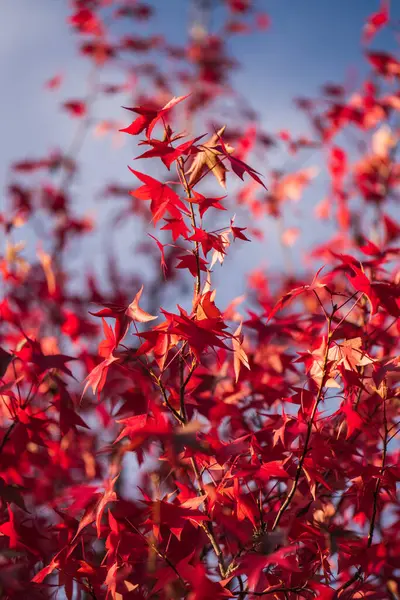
x=310, y=42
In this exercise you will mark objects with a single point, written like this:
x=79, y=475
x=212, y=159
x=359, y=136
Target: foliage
x=238, y=453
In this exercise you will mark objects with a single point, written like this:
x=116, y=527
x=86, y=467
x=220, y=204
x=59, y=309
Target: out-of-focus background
x=299, y=47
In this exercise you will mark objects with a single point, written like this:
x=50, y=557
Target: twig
x=183, y=179
x=182, y=388
x=7, y=436
x=310, y=425
x=358, y=574
x=281, y=590
x=162, y=555
x=381, y=473
x=163, y=391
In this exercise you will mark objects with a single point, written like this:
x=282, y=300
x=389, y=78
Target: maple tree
x=192, y=451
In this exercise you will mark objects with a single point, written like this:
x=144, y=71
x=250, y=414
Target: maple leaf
x=76, y=108
x=132, y=425
x=291, y=186
x=5, y=359
x=178, y=228
x=362, y=284
x=21, y=535
x=246, y=508
x=263, y=21
x=135, y=313
x=289, y=236
x=161, y=249
x=206, y=203
x=207, y=240
x=315, y=284
x=383, y=141
x=116, y=575
x=107, y=346
x=159, y=341
x=141, y=431
x=86, y=21
x=376, y=21
x=138, y=11
x=12, y=493
x=205, y=307
x=204, y=588
x=303, y=397
x=8, y=529
x=167, y=153
x=173, y=515
x=239, y=355
x=200, y=334
x=272, y=470
x=238, y=166
x=13, y=259
x=253, y=565
x=97, y=377
x=237, y=233
x=317, y=371
x=148, y=117
x=220, y=254
x=118, y=313
x=163, y=198
x=29, y=166
x=123, y=315
x=353, y=419
x=385, y=64
x=208, y=159
x=392, y=229
x=337, y=166
x=54, y=83
x=350, y=354
x=69, y=419
x=46, y=262
x=48, y=570
x=31, y=351
x=95, y=510
x=347, y=356
x=190, y=261
x=108, y=496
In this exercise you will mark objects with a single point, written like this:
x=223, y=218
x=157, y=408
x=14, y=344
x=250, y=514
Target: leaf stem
x=183, y=179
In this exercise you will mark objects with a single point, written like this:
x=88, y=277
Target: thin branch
x=182, y=388
x=280, y=590
x=165, y=398
x=310, y=425
x=183, y=179
x=161, y=555
x=7, y=436
x=358, y=574
x=379, y=480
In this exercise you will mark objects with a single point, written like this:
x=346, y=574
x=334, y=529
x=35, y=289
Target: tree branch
x=310, y=425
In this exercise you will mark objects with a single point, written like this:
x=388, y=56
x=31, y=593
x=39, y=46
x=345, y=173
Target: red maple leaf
x=54, y=83
x=191, y=262
x=97, y=377
x=178, y=228
x=76, y=108
x=148, y=117
x=166, y=152
x=206, y=203
x=96, y=508
x=163, y=198
x=123, y=316
x=376, y=21
x=239, y=166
